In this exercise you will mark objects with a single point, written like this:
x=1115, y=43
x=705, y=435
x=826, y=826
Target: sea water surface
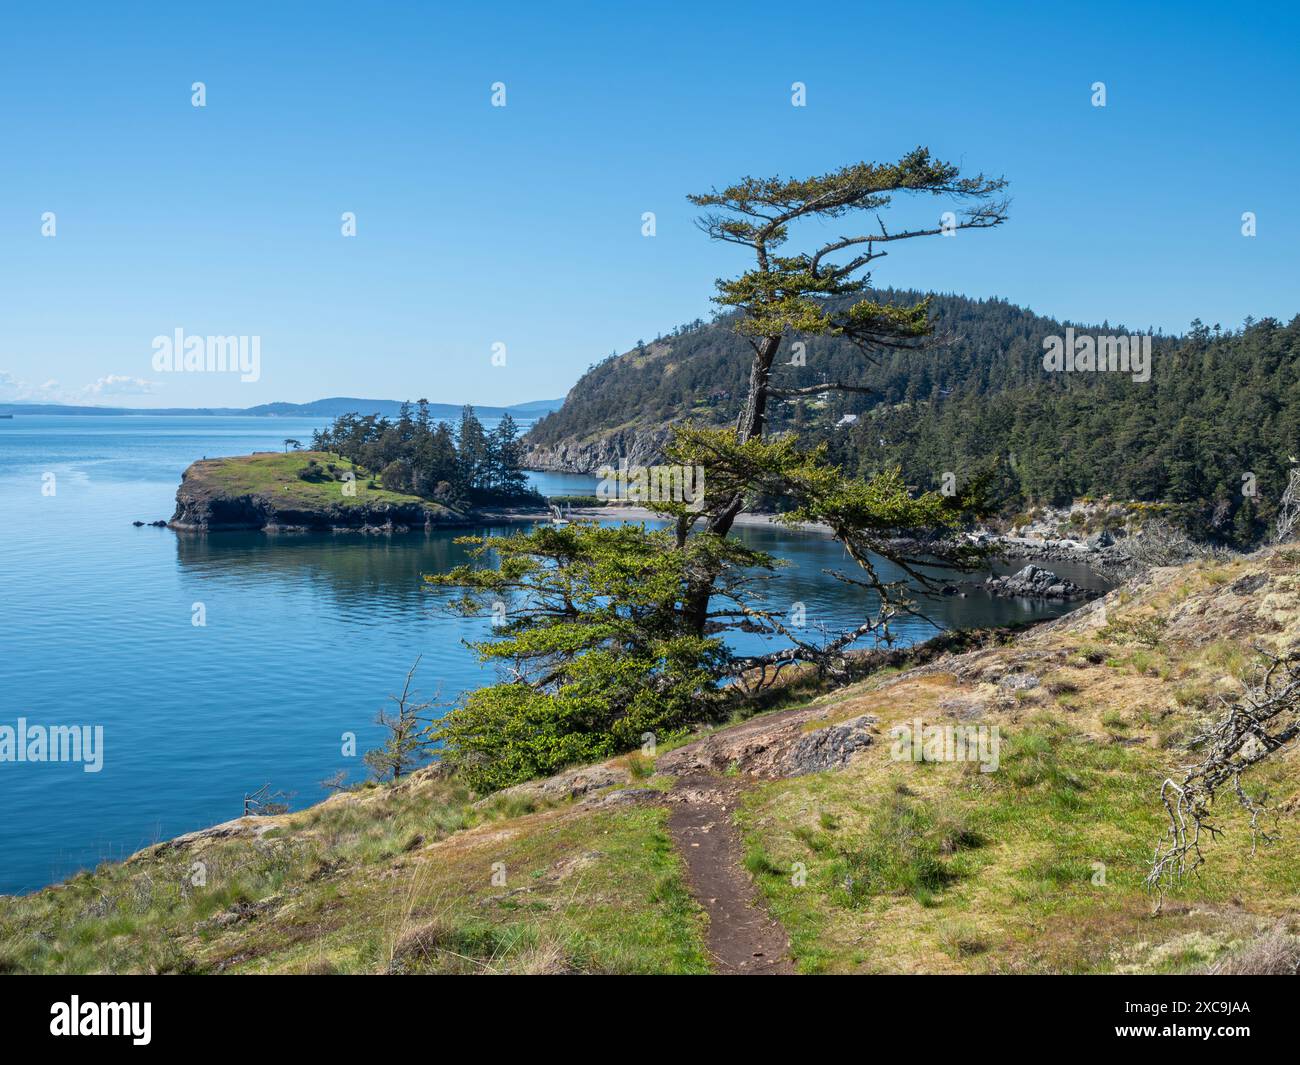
x=305, y=635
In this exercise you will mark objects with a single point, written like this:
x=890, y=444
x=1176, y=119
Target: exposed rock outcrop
x=781, y=745
x=1094, y=551
x=638, y=447
x=571, y=784
x=1036, y=583
x=828, y=748
x=203, y=512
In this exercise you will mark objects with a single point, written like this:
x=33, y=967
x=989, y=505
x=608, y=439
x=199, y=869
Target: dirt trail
x=743, y=937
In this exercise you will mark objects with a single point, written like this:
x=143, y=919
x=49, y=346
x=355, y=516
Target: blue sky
x=522, y=225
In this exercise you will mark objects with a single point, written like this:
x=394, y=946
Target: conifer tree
x=613, y=634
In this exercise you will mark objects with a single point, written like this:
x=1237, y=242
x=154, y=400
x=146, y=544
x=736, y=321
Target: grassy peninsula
x=297, y=489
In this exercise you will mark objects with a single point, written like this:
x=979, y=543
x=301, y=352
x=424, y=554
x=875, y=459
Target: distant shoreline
x=1060, y=550
x=215, y=496
x=329, y=407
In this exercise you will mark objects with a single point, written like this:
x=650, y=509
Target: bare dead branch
x=1264, y=720
x=1288, y=510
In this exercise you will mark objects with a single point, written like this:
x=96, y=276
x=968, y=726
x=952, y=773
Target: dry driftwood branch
x=335, y=781
x=1159, y=544
x=1265, y=719
x=265, y=803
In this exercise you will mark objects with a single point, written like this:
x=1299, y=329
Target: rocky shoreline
x=374, y=524
x=644, y=447
x=211, y=498
x=253, y=514
x=1098, y=550
x=201, y=509
x=1095, y=551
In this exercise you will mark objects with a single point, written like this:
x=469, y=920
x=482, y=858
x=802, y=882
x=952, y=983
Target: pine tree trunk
x=753, y=416
x=749, y=426
x=752, y=421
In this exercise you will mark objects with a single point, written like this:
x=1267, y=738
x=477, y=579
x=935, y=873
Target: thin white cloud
x=15, y=390
x=119, y=385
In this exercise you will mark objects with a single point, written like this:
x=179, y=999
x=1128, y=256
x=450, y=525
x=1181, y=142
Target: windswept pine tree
x=615, y=634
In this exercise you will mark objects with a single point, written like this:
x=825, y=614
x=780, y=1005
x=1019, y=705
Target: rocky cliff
x=638, y=447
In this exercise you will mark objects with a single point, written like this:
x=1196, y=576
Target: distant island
x=327, y=408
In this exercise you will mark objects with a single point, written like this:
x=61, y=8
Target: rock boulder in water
x=1034, y=582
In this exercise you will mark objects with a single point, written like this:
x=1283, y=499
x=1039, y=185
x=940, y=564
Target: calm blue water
x=305, y=636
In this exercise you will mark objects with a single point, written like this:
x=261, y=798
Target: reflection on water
x=837, y=605
x=305, y=635
x=373, y=580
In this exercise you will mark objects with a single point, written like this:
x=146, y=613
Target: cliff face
x=266, y=492
x=638, y=447
x=201, y=512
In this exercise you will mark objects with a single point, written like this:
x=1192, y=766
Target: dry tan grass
x=1275, y=953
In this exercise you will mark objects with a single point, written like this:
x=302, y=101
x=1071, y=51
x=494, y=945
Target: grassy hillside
x=395, y=879
x=910, y=866
x=937, y=867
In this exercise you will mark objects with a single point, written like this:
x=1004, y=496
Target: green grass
x=962, y=939
x=275, y=475
x=759, y=864
x=352, y=886
x=928, y=864
x=641, y=767
x=902, y=852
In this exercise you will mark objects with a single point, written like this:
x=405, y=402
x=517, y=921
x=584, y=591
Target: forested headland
x=1211, y=433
